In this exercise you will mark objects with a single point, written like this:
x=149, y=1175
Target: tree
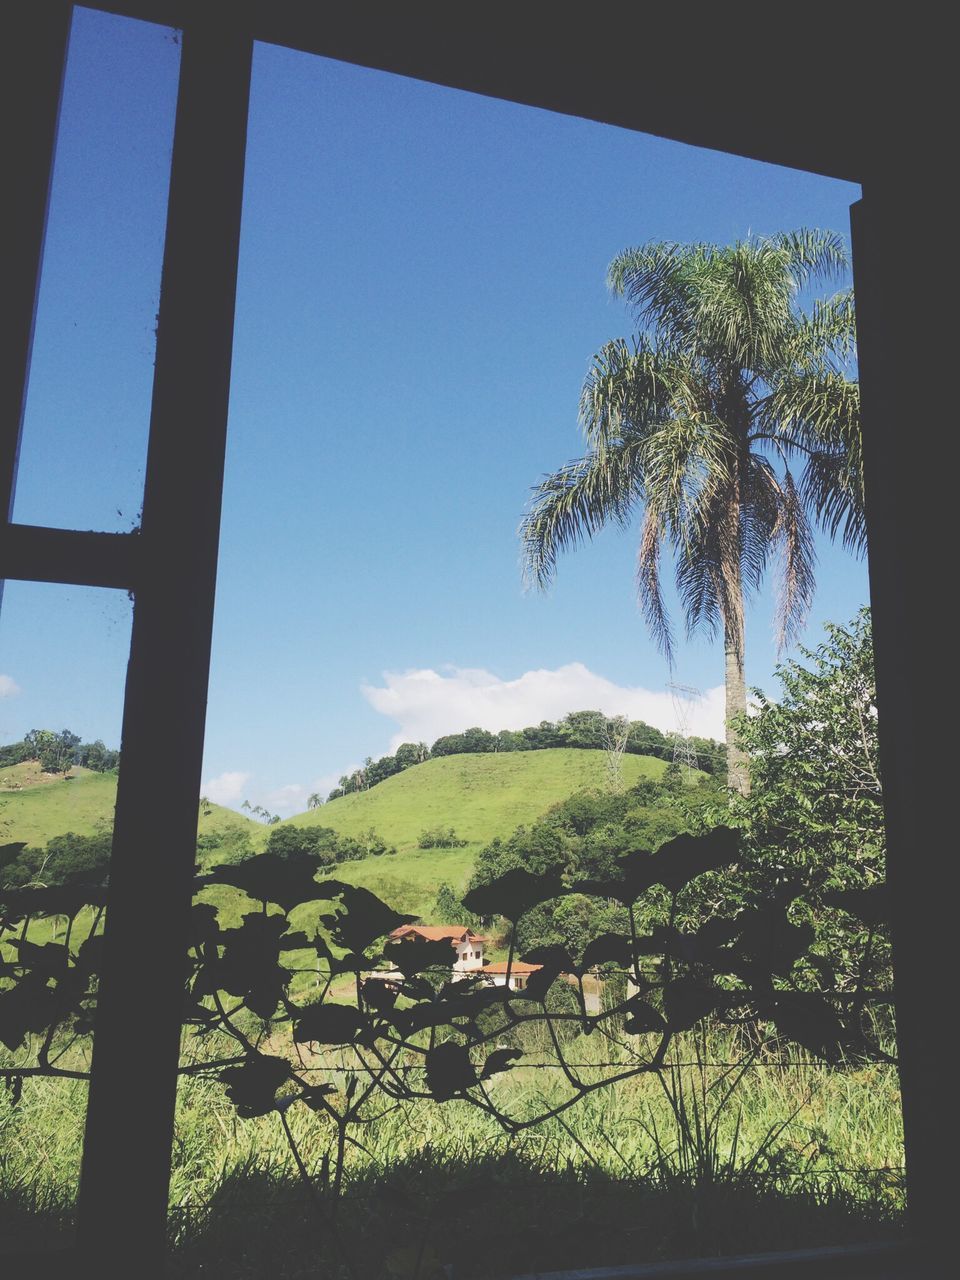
x=816, y=810
x=448, y=909
x=698, y=422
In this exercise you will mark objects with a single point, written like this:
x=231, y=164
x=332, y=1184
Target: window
x=171, y=567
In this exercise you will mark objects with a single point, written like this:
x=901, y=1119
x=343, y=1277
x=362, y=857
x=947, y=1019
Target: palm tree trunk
x=738, y=775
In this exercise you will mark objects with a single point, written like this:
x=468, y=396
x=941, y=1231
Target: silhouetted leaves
x=539, y=983
x=297, y=941
x=685, y=857
x=313, y=1095
x=769, y=942
x=51, y=959
x=252, y=1087
x=204, y=925
x=413, y=957
x=46, y=986
x=870, y=905
x=642, y=1018
x=608, y=948
x=379, y=994
x=498, y=1061
x=59, y=900
x=11, y=852
x=807, y=1019
x=248, y=966
x=513, y=893
x=553, y=957
x=362, y=920
x=449, y=1070
x=686, y=1000
x=674, y=865
x=714, y=934
x=329, y=1024
x=29, y=1006
x=286, y=881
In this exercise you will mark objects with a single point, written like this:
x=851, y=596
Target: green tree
x=815, y=813
x=448, y=909
x=699, y=422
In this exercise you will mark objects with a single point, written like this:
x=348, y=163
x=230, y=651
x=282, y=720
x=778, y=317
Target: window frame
x=170, y=563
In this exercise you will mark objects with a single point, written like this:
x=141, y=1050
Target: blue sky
x=421, y=288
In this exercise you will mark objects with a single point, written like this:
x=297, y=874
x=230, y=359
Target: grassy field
x=611, y=1181
x=480, y=796
x=35, y=806
x=45, y=808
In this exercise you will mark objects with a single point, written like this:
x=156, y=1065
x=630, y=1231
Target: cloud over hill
x=425, y=704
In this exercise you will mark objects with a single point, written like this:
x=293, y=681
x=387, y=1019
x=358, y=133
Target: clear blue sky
x=421, y=288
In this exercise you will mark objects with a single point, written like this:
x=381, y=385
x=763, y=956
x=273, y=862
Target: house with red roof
x=468, y=944
x=519, y=974
x=469, y=948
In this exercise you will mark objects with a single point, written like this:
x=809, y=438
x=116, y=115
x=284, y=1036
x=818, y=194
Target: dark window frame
x=170, y=563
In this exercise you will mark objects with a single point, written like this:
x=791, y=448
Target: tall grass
x=701, y=1160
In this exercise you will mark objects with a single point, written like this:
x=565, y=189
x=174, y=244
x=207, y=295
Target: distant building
x=520, y=973
x=470, y=959
x=469, y=945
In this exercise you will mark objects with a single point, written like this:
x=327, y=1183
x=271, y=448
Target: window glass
x=87, y=411
x=63, y=655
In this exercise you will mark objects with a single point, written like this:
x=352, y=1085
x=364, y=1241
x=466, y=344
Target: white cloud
x=227, y=788
x=8, y=687
x=293, y=797
x=426, y=704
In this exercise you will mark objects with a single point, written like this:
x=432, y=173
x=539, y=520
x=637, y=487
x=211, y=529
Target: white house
x=470, y=958
x=469, y=945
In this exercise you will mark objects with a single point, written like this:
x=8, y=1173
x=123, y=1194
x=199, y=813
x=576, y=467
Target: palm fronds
x=575, y=503
x=698, y=422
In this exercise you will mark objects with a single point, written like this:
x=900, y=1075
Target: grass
x=45, y=806
x=613, y=1180
x=83, y=803
x=480, y=796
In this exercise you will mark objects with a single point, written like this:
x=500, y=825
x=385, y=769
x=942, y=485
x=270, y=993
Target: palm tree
x=727, y=423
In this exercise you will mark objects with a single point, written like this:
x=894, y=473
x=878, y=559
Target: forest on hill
x=585, y=730
x=59, y=752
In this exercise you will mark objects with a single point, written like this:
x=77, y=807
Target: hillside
x=480, y=796
x=35, y=807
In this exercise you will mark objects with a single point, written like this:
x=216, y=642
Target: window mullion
x=126, y=1158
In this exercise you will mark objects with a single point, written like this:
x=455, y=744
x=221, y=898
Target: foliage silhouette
x=431, y=1033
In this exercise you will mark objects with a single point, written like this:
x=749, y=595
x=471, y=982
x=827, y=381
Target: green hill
x=480, y=796
x=35, y=807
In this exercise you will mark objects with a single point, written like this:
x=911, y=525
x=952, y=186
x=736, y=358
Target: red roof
x=437, y=932
x=518, y=967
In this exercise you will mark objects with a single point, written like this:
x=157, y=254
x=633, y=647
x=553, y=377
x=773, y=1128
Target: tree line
x=585, y=730
x=59, y=752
